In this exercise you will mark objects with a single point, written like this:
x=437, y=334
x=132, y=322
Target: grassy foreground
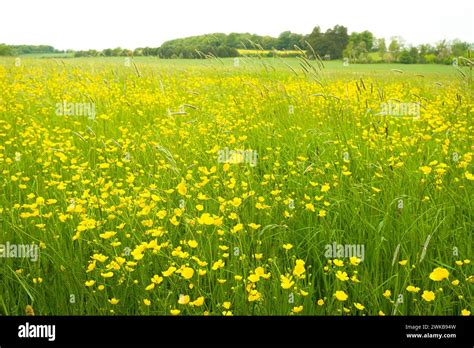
x=262, y=187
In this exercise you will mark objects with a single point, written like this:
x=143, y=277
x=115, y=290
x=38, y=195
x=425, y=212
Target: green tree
x=459, y=48
x=288, y=40
x=381, y=47
x=414, y=54
x=336, y=39
x=405, y=57
x=314, y=39
x=394, y=46
x=366, y=36
x=5, y=50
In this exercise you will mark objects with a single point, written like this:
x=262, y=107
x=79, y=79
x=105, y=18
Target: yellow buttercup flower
x=469, y=176
x=113, y=301
x=206, y=219
x=254, y=295
x=90, y=283
x=107, y=235
x=156, y=279
x=299, y=269
x=218, y=264
x=341, y=295
x=187, y=273
x=193, y=244
x=428, y=296
x=325, y=188
x=236, y=202
x=237, y=228
x=169, y=271
x=439, y=273
x=342, y=276
x=426, y=170
x=297, y=309
x=254, y=278
x=183, y=299
x=182, y=189
x=355, y=261
x=198, y=302
x=286, y=282
x=150, y=287
x=411, y=288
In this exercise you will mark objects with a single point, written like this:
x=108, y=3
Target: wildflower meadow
x=235, y=186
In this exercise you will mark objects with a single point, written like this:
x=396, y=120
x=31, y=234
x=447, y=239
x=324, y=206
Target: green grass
x=47, y=55
x=278, y=63
x=334, y=129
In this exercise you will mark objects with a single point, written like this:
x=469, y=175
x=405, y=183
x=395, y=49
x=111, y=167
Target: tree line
x=16, y=50
x=334, y=43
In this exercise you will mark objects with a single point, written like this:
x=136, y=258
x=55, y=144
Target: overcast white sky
x=99, y=24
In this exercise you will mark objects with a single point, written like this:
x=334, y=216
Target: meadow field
x=249, y=186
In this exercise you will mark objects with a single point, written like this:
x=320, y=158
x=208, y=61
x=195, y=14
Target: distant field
x=260, y=62
x=235, y=187
x=258, y=53
x=48, y=55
